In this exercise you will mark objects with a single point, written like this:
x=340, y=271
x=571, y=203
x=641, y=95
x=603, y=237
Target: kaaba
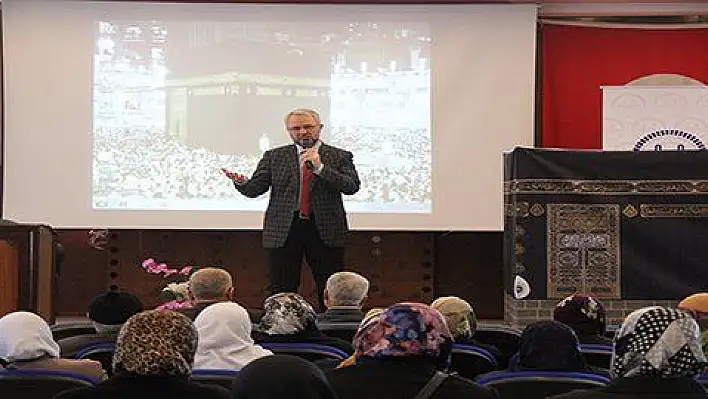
x=620, y=224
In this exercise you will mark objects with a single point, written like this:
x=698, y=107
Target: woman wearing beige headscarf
x=153, y=359
x=462, y=322
x=26, y=342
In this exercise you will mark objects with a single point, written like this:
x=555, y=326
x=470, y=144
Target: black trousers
x=285, y=263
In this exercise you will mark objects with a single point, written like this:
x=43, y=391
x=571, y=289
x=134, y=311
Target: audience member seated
x=586, y=316
x=462, y=322
x=657, y=354
x=26, y=342
x=225, y=338
x=288, y=317
x=207, y=286
x=550, y=346
x=107, y=312
x=153, y=359
x=344, y=296
x=697, y=306
x=281, y=376
x=399, y=355
x=370, y=319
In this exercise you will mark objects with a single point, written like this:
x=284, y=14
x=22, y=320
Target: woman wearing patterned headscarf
x=586, y=316
x=288, y=317
x=399, y=354
x=153, y=359
x=370, y=319
x=657, y=354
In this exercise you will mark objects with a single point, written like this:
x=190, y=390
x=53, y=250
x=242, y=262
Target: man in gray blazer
x=312, y=221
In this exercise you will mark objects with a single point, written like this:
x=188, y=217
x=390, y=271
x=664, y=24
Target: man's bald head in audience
x=211, y=284
x=346, y=289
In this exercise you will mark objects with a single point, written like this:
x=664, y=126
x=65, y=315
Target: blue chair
x=218, y=377
x=102, y=352
x=307, y=351
x=597, y=355
x=40, y=384
x=469, y=361
x=703, y=380
x=539, y=384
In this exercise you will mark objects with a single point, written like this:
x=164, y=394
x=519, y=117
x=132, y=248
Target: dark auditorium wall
x=416, y=266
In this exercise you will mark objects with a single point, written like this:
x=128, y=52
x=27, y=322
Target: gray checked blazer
x=279, y=171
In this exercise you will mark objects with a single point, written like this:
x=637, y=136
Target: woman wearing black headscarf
x=657, y=354
x=550, y=346
x=281, y=376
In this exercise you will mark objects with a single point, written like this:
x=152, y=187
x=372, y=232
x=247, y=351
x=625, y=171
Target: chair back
x=218, y=377
x=40, y=384
x=66, y=330
x=307, y=351
x=342, y=330
x=539, y=384
x=470, y=361
x=597, y=355
x=102, y=352
x=703, y=380
x=504, y=338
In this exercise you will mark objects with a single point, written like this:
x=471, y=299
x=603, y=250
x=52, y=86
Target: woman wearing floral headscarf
x=399, y=354
x=586, y=316
x=153, y=359
x=287, y=317
x=657, y=354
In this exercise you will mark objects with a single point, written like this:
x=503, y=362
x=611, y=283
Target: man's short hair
x=210, y=283
x=303, y=111
x=346, y=289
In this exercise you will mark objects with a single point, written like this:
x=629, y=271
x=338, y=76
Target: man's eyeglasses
x=306, y=127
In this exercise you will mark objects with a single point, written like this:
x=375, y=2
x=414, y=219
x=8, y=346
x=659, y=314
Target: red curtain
x=577, y=61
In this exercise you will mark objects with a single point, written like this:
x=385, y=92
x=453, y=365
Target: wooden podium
x=27, y=275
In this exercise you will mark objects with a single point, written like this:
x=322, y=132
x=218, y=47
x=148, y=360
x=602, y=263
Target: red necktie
x=305, y=206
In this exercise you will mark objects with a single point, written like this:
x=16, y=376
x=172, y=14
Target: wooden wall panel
x=83, y=275
x=415, y=266
x=469, y=265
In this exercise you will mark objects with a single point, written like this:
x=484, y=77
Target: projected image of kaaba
x=252, y=73
x=175, y=101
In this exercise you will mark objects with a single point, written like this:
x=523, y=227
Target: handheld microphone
x=308, y=142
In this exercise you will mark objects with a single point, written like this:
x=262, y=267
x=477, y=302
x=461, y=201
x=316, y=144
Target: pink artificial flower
x=148, y=262
x=185, y=270
x=169, y=272
x=176, y=304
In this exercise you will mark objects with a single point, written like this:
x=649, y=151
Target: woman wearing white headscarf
x=225, y=341
x=657, y=354
x=153, y=359
x=26, y=342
